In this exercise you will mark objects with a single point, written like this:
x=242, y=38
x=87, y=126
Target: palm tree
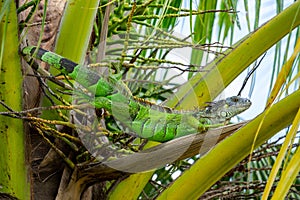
x=138, y=40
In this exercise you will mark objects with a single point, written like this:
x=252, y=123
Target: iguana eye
x=223, y=114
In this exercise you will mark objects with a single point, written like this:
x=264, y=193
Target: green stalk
x=136, y=183
x=223, y=70
x=13, y=166
x=76, y=28
x=203, y=29
x=290, y=172
x=131, y=187
x=73, y=43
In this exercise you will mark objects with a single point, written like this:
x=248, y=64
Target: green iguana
x=134, y=116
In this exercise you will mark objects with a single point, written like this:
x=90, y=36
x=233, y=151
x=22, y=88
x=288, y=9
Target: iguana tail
x=80, y=73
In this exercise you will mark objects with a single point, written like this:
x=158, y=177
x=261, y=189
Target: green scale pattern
x=135, y=116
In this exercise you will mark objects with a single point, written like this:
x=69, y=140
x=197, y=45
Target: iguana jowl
x=151, y=121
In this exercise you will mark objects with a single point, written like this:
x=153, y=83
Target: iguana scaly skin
x=134, y=116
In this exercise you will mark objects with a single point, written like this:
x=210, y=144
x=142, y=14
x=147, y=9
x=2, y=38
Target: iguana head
x=221, y=111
